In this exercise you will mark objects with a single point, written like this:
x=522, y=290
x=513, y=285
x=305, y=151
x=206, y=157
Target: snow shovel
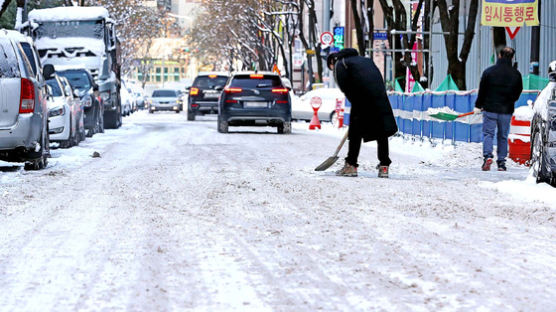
x=331, y=160
x=448, y=116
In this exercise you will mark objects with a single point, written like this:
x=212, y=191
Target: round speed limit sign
x=326, y=38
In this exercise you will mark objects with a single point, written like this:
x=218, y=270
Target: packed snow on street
x=174, y=216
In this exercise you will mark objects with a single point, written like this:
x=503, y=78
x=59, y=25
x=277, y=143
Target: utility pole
x=325, y=15
x=535, y=46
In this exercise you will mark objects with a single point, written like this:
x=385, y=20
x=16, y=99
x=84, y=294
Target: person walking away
x=371, y=116
x=500, y=88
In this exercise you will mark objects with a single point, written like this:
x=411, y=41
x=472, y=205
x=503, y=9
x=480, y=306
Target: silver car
x=65, y=116
x=166, y=100
x=23, y=107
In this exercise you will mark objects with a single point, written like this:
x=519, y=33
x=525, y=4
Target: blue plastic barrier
x=410, y=112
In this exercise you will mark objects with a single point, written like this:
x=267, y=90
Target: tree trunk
x=4, y=6
x=499, y=36
x=358, y=27
x=449, y=18
x=370, y=17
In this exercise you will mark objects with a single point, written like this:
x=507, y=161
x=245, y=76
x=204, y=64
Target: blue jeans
x=491, y=121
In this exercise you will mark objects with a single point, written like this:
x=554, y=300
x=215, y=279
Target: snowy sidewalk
x=175, y=216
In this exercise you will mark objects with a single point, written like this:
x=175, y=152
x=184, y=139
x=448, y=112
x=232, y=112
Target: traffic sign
x=512, y=31
x=326, y=38
x=316, y=102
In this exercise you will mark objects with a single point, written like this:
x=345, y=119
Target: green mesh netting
x=397, y=86
x=417, y=88
x=534, y=82
x=448, y=85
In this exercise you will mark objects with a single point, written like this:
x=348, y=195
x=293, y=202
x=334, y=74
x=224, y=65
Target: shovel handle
x=341, y=143
x=466, y=114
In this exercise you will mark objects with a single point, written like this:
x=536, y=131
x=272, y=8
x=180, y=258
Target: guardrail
x=410, y=110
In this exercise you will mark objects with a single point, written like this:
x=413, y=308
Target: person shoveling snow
x=371, y=116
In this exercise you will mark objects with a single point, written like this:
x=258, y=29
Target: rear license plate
x=255, y=104
x=211, y=95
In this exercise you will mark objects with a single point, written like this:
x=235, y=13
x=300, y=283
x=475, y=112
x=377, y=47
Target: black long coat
x=360, y=80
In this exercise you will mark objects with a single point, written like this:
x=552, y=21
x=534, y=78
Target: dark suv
x=82, y=81
x=255, y=99
x=204, y=93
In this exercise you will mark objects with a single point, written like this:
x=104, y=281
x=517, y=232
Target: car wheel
x=222, y=126
x=101, y=122
x=285, y=128
x=190, y=116
x=334, y=119
x=41, y=157
x=70, y=141
x=538, y=161
x=151, y=111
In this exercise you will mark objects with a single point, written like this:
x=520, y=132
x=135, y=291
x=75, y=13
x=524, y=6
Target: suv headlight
x=87, y=101
x=58, y=111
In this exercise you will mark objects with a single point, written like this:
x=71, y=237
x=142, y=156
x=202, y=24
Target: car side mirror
x=95, y=87
x=48, y=71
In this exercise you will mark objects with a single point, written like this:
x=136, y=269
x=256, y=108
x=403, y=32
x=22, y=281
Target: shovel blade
x=444, y=116
x=327, y=163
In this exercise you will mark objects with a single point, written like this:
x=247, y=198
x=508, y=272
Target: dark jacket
x=371, y=114
x=500, y=88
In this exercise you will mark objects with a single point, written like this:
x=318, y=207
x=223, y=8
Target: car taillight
x=281, y=102
x=194, y=91
x=256, y=76
x=27, y=98
x=280, y=90
x=231, y=101
x=233, y=90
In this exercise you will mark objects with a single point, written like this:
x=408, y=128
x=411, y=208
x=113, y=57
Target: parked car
x=65, y=113
x=204, y=93
x=23, y=108
x=255, y=99
x=302, y=109
x=543, y=132
x=82, y=81
x=127, y=101
x=165, y=100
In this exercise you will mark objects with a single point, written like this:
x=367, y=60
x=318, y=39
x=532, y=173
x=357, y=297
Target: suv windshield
x=9, y=67
x=88, y=29
x=206, y=82
x=164, y=93
x=56, y=91
x=78, y=79
x=245, y=81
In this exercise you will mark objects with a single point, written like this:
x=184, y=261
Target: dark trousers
x=355, y=147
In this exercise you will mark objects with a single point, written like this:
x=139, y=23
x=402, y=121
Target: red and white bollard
x=340, y=112
x=316, y=102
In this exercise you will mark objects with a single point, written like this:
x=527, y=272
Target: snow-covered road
x=177, y=217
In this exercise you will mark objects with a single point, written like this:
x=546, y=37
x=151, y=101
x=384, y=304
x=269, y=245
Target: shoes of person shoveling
x=502, y=167
x=486, y=164
x=383, y=171
x=347, y=171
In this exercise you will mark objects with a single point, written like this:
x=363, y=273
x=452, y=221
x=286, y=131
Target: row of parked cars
x=254, y=99
x=40, y=105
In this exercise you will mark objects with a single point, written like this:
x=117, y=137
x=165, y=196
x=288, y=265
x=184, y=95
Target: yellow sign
x=311, y=52
x=506, y=13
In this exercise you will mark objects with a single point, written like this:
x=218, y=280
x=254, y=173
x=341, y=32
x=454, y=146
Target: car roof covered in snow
x=68, y=14
x=71, y=67
x=253, y=72
x=213, y=73
x=15, y=35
